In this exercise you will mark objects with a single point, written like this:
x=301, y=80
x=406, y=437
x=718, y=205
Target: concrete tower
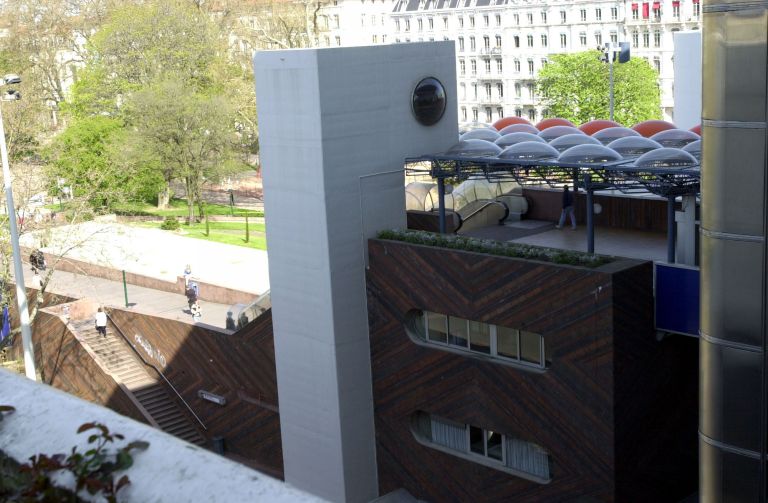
x=335, y=126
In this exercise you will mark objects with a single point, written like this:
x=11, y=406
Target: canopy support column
x=590, y=214
x=671, y=228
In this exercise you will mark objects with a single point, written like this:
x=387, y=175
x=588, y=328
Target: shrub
x=505, y=249
x=170, y=224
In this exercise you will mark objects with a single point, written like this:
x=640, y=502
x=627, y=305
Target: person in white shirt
x=101, y=322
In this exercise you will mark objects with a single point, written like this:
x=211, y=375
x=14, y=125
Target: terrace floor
x=608, y=241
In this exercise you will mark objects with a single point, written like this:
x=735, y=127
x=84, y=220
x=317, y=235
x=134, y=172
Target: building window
x=656, y=11
x=635, y=12
x=445, y=24
x=563, y=17
x=338, y=41
x=518, y=90
x=599, y=39
x=488, y=114
x=543, y=40
x=532, y=115
x=583, y=15
x=336, y=21
x=498, y=19
x=487, y=42
x=583, y=39
x=420, y=23
x=462, y=67
x=544, y=62
x=614, y=13
x=506, y=345
x=696, y=8
x=646, y=39
x=598, y=14
x=657, y=64
x=500, y=112
x=488, y=91
x=518, y=112
x=474, y=91
x=530, y=40
x=543, y=17
x=498, y=41
x=635, y=38
x=657, y=38
x=475, y=115
x=375, y=39
x=517, y=41
x=461, y=22
x=464, y=114
x=407, y=25
x=516, y=18
x=498, y=66
x=472, y=45
x=486, y=21
x=463, y=93
x=490, y=448
x=676, y=9
x=614, y=37
x=530, y=18
x=473, y=65
x=488, y=67
x=461, y=44
x=563, y=41
x=517, y=66
x=530, y=67
x=471, y=21
x=500, y=90
x=431, y=23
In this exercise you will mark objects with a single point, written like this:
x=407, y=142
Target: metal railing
x=159, y=372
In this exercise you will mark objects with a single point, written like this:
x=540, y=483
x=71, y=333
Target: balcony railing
x=490, y=51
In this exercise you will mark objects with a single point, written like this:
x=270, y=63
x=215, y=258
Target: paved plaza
x=154, y=253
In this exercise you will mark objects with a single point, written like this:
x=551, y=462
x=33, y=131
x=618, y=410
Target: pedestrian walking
x=101, y=322
x=567, y=209
x=187, y=275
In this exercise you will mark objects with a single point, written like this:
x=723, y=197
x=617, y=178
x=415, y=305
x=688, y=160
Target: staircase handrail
x=160, y=373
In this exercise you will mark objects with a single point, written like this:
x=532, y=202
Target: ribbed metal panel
x=733, y=424
x=733, y=79
x=738, y=189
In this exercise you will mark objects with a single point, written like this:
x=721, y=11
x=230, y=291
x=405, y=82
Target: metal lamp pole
x=21, y=293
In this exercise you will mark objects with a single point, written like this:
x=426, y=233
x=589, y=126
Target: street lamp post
x=21, y=293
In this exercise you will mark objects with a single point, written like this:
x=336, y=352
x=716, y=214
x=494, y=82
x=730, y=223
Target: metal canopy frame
x=624, y=176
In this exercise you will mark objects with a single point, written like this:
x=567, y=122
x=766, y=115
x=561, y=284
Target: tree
x=575, y=87
x=189, y=133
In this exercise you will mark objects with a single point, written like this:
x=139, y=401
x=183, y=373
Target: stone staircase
x=116, y=358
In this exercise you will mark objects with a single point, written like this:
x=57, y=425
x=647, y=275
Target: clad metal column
x=732, y=414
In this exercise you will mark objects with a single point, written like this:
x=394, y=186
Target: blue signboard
x=677, y=299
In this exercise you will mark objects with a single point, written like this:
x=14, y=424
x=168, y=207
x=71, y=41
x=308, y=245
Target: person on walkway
x=567, y=209
x=187, y=275
x=101, y=322
x=191, y=294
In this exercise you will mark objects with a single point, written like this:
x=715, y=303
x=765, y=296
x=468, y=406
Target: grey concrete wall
x=335, y=126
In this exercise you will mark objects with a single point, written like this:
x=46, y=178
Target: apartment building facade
x=502, y=44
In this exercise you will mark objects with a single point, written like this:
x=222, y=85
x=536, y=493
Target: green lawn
x=178, y=208
x=231, y=233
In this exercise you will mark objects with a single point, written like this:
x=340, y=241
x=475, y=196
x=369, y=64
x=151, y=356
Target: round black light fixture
x=428, y=102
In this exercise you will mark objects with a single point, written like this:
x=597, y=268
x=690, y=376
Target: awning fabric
x=656, y=5
x=634, y=6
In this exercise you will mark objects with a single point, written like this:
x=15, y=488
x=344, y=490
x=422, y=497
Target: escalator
x=481, y=213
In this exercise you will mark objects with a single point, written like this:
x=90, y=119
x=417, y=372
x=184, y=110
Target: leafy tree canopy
x=575, y=87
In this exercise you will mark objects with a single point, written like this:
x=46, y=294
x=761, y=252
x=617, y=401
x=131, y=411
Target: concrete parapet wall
x=170, y=470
